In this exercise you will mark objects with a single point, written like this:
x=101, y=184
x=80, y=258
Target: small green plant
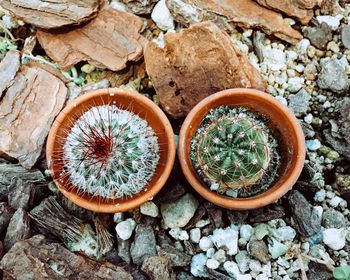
x=110, y=153
x=342, y=272
x=6, y=45
x=234, y=150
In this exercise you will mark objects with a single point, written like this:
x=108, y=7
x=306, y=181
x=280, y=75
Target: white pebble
x=198, y=265
x=282, y=100
x=226, y=239
x=202, y=223
x=210, y=252
x=205, y=243
x=333, y=22
x=232, y=269
x=334, y=238
x=246, y=232
x=125, y=229
x=179, y=234
x=162, y=17
x=308, y=118
x=335, y=201
x=212, y=264
x=195, y=235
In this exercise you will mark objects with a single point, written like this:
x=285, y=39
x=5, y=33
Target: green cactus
x=110, y=153
x=234, y=150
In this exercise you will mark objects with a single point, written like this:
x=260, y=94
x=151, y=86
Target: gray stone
x=18, y=228
x=6, y=213
x=144, y=244
x=158, y=268
x=345, y=36
x=319, y=35
x=177, y=257
x=333, y=219
x=258, y=249
x=178, y=213
x=318, y=272
x=299, y=102
x=306, y=221
x=333, y=76
x=124, y=249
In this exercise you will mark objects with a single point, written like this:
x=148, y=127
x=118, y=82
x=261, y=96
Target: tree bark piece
x=38, y=259
x=299, y=9
x=27, y=111
x=109, y=41
x=48, y=14
x=196, y=63
x=242, y=13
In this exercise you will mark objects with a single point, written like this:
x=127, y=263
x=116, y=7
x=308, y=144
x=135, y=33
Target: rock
x=333, y=219
x=9, y=67
x=232, y=269
x=334, y=238
x=261, y=230
x=258, y=250
x=24, y=194
x=345, y=36
x=332, y=21
x=226, y=239
x=220, y=256
x=6, y=213
x=178, y=213
x=285, y=233
x=109, y=41
x=319, y=35
x=243, y=259
x=21, y=118
x=295, y=84
x=265, y=214
x=144, y=244
x=277, y=249
x=195, y=235
x=205, y=243
x=306, y=221
x=125, y=228
x=18, y=228
x=313, y=145
x=333, y=76
x=246, y=232
x=318, y=272
x=162, y=17
x=140, y=7
x=179, y=234
x=48, y=15
x=158, y=268
x=301, y=10
x=236, y=13
x=259, y=43
x=149, y=209
x=299, y=102
x=124, y=249
x=38, y=259
x=177, y=257
x=212, y=264
x=180, y=73
x=198, y=265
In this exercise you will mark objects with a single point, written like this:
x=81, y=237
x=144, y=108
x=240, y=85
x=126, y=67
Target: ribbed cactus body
x=232, y=150
x=111, y=153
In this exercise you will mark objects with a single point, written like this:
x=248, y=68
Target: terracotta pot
x=292, y=138
x=124, y=99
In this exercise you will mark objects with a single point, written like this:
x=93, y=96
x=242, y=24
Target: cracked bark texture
x=27, y=109
x=38, y=259
x=49, y=14
x=109, y=41
x=243, y=13
x=196, y=63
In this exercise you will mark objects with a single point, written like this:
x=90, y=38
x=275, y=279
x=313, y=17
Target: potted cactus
x=241, y=148
x=110, y=150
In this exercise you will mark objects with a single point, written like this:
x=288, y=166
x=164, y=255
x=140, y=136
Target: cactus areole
x=235, y=152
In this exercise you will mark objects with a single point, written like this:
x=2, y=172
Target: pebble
x=295, y=84
x=299, y=102
x=179, y=234
x=308, y=118
x=333, y=76
x=302, y=46
x=205, y=243
x=144, y=244
x=9, y=22
x=277, y=249
x=332, y=21
x=125, y=228
x=335, y=201
x=198, y=265
x=195, y=235
x=334, y=238
x=226, y=239
x=260, y=231
x=255, y=266
x=212, y=264
x=313, y=145
x=243, y=259
x=246, y=232
x=178, y=213
x=259, y=250
x=149, y=209
x=274, y=59
x=319, y=35
x=345, y=36
x=202, y=223
x=232, y=269
x=118, y=217
x=162, y=17
x=211, y=252
x=333, y=219
x=220, y=256
x=285, y=233
x=87, y=68
x=282, y=100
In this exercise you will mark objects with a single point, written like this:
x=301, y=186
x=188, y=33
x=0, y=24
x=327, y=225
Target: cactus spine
x=110, y=152
x=234, y=150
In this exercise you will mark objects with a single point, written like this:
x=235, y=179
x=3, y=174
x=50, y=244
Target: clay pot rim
x=257, y=201
x=128, y=203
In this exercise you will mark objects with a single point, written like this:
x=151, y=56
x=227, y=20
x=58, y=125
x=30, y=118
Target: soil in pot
x=236, y=151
